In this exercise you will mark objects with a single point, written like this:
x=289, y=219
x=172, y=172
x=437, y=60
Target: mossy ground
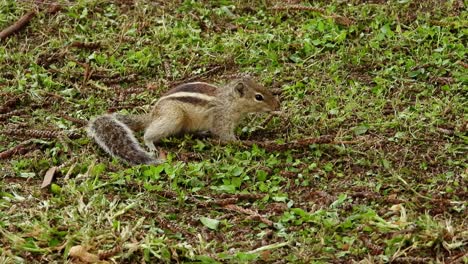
x=389, y=76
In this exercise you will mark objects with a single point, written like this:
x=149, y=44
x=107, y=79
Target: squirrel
x=187, y=108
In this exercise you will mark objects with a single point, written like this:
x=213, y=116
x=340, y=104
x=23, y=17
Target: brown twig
x=110, y=253
x=414, y=260
x=10, y=103
x=12, y=113
x=55, y=96
x=77, y=121
x=87, y=73
x=34, y=133
x=303, y=143
x=136, y=90
x=124, y=93
x=18, y=25
x=198, y=76
x=86, y=45
x=24, y=20
x=457, y=258
x=47, y=58
x=31, y=133
x=338, y=19
x=298, y=7
x=66, y=163
x=54, y=8
x=253, y=214
x=227, y=64
x=373, y=248
x=464, y=64
x=118, y=79
x=172, y=227
x=224, y=202
x=267, y=120
x=243, y=196
x=19, y=149
x=87, y=70
x=342, y=20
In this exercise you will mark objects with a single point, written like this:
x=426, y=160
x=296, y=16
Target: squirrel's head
x=254, y=97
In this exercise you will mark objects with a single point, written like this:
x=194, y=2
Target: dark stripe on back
x=202, y=88
x=189, y=99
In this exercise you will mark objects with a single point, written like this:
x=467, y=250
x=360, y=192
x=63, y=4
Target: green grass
x=394, y=82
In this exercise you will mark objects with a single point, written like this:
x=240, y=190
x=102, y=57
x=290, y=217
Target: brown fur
x=195, y=87
x=134, y=122
x=189, y=108
x=190, y=100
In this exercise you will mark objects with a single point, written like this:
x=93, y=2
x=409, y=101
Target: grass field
x=381, y=86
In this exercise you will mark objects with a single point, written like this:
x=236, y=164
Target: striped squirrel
x=189, y=107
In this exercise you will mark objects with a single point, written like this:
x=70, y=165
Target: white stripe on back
x=188, y=94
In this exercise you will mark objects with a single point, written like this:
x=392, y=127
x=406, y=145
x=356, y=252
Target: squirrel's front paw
x=151, y=147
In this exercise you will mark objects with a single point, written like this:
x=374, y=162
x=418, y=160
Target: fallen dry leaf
x=82, y=253
x=49, y=176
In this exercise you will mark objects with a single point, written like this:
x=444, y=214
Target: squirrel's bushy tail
x=117, y=139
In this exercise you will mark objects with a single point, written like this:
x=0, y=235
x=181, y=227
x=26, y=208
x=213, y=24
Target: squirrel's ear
x=240, y=89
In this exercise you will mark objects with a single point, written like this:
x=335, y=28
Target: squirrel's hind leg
x=164, y=126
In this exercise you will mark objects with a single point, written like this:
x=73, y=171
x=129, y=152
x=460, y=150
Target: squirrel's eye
x=259, y=97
